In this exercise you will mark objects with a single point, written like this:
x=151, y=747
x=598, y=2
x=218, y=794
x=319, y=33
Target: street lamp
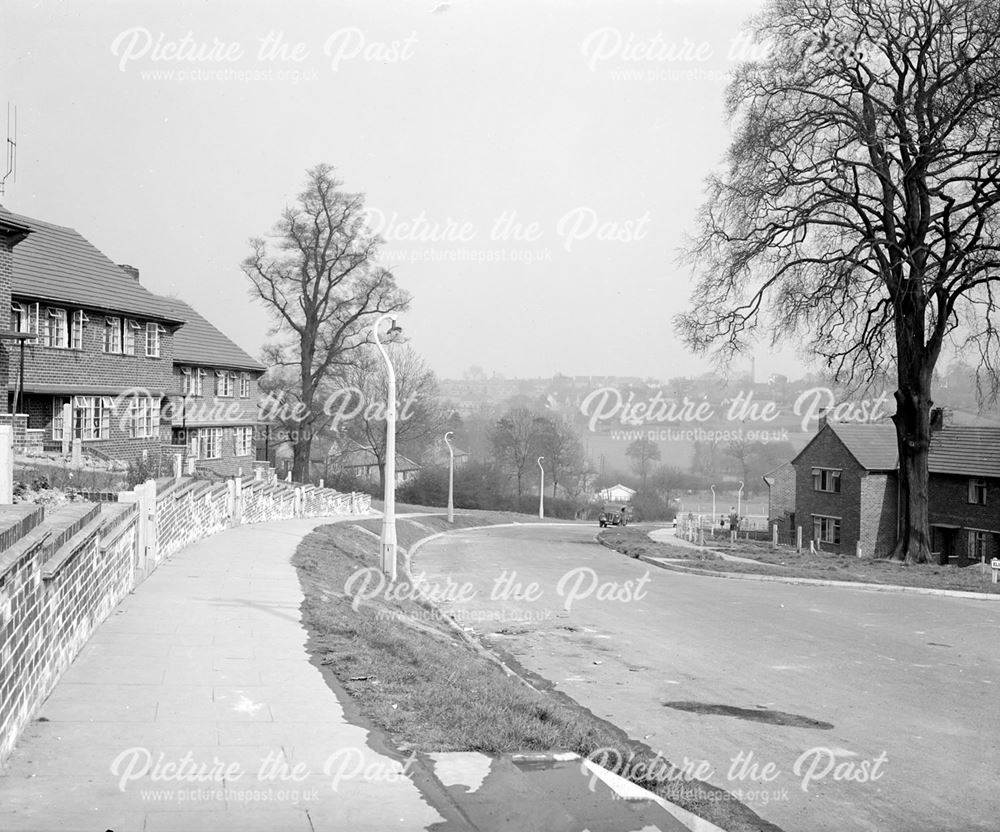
x=451, y=477
x=541, y=489
x=739, y=501
x=713, y=510
x=388, y=547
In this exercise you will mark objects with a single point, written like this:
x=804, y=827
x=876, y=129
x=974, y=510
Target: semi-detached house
x=116, y=354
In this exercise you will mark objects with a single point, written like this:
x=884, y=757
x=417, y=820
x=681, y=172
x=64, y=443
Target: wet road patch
x=753, y=714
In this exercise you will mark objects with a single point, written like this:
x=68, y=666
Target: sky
x=532, y=166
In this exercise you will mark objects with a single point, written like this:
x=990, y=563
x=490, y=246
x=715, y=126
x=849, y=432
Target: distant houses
x=842, y=490
x=616, y=494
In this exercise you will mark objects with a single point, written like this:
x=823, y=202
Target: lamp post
x=713, y=510
x=739, y=501
x=451, y=477
x=541, y=489
x=388, y=547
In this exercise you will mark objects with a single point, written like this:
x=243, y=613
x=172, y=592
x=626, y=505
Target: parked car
x=614, y=516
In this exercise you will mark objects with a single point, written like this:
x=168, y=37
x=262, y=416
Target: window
x=128, y=336
x=209, y=443
x=113, y=335
x=153, y=332
x=244, y=385
x=143, y=417
x=24, y=317
x=76, y=335
x=244, y=441
x=979, y=545
x=826, y=479
x=57, y=417
x=224, y=383
x=977, y=492
x=91, y=417
x=56, y=333
x=192, y=379
x=826, y=529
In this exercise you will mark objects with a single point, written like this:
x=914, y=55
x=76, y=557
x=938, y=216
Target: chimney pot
x=131, y=271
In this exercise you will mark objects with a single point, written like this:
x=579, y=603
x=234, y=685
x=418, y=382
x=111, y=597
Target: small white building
x=616, y=494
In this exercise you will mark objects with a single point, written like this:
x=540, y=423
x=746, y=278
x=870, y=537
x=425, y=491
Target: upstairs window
x=24, y=317
x=56, y=332
x=80, y=321
x=826, y=479
x=977, y=492
x=153, y=333
x=224, y=383
x=244, y=385
x=192, y=379
x=113, y=335
x=128, y=336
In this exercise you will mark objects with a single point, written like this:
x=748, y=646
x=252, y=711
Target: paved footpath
x=208, y=659
x=195, y=706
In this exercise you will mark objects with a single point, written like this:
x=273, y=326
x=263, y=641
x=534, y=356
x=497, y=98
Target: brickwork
x=781, y=494
x=827, y=451
x=61, y=575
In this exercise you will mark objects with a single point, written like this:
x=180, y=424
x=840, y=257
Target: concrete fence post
x=238, y=501
x=190, y=466
x=288, y=477
x=857, y=550
x=774, y=535
x=6, y=465
x=798, y=539
x=77, y=460
x=178, y=466
x=67, y=431
x=152, y=543
x=321, y=482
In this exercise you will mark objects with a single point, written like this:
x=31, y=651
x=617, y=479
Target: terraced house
x=114, y=356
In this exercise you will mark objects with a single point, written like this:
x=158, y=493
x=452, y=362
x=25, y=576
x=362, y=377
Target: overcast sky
x=547, y=156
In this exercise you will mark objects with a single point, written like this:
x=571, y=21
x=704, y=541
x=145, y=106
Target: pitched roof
x=57, y=264
x=198, y=342
x=873, y=446
x=963, y=450
x=355, y=456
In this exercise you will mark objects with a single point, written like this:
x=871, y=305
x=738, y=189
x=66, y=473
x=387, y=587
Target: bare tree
x=857, y=212
x=560, y=444
x=420, y=416
x=319, y=280
x=643, y=453
x=515, y=439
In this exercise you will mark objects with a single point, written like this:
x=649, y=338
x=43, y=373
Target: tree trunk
x=913, y=434
x=301, y=452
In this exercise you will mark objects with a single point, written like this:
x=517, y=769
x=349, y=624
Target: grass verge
x=634, y=541
x=429, y=690
x=785, y=561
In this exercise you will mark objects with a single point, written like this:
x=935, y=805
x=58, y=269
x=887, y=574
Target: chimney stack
x=821, y=419
x=131, y=271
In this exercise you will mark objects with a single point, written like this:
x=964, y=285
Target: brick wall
x=950, y=506
x=62, y=575
x=827, y=451
x=781, y=494
x=6, y=285
x=879, y=511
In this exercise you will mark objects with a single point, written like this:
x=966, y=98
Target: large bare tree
x=318, y=276
x=857, y=209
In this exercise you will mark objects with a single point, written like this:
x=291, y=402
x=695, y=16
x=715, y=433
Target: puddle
x=937, y=644
x=753, y=714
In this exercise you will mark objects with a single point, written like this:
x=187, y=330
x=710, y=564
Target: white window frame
x=209, y=443
x=820, y=523
x=57, y=416
x=143, y=417
x=20, y=317
x=243, y=441
x=129, y=329
x=224, y=384
x=92, y=418
x=56, y=334
x=153, y=333
x=112, y=335
x=827, y=480
x=245, y=385
x=977, y=491
x=77, y=328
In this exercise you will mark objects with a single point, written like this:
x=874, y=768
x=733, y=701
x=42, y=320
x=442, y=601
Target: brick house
x=780, y=484
x=106, y=346
x=846, y=490
x=211, y=409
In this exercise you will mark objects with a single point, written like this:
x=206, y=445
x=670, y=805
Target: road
x=874, y=710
